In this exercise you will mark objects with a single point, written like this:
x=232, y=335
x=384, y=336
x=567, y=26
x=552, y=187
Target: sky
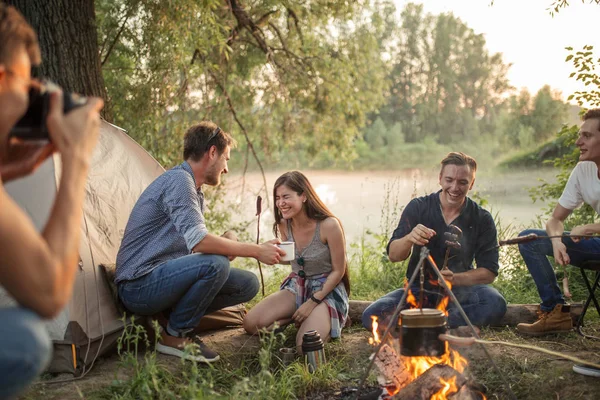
x=528, y=36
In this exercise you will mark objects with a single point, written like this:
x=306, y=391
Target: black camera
x=32, y=126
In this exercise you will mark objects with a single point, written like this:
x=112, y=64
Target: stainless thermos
x=312, y=348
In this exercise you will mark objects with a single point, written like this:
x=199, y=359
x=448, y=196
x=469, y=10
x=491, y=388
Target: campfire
x=417, y=365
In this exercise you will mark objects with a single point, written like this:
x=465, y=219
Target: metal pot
x=420, y=330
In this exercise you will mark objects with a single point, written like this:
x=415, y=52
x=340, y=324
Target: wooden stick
x=467, y=341
x=258, y=212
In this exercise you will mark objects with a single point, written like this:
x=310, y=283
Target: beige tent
x=121, y=170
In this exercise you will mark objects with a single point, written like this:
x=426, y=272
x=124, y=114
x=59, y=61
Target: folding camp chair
x=589, y=266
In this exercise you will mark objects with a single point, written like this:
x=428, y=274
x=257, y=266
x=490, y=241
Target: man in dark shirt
x=424, y=222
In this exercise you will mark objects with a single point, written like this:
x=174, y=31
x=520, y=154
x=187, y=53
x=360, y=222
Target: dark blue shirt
x=166, y=223
x=479, y=240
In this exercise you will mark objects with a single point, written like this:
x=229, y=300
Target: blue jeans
x=535, y=254
x=482, y=304
x=25, y=350
x=190, y=287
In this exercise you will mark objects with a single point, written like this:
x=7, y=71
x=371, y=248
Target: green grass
x=252, y=376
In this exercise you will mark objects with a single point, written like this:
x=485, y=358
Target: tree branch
x=244, y=131
x=292, y=14
x=114, y=42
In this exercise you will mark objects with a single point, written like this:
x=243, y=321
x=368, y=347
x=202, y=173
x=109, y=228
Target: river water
x=371, y=200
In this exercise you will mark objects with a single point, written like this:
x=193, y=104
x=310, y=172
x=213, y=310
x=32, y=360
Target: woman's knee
x=252, y=322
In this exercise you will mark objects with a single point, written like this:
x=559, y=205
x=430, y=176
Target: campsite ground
x=532, y=375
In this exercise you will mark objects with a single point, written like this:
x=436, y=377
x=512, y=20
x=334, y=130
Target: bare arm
x=267, y=252
x=555, y=227
x=39, y=270
x=477, y=276
x=400, y=249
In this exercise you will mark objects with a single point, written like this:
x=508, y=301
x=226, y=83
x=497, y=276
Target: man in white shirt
x=583, y=186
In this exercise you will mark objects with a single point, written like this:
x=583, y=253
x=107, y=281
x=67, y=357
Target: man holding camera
x=168, y=261
x=37, y=269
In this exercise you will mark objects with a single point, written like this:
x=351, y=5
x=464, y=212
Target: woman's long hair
x=314, y=207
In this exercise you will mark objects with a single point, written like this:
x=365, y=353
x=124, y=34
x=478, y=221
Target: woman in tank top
x=315, y=294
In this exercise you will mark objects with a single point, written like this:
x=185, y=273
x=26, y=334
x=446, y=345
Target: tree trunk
x=68, y=40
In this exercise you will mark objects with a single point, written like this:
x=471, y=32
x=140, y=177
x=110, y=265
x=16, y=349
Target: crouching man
x=169, y=261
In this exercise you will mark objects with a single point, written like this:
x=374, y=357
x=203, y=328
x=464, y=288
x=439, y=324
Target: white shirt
x=583, y=186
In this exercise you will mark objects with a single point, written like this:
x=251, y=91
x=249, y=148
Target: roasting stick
x=258, y=212
x=468, y=341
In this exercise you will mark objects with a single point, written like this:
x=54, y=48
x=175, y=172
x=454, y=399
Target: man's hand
x=448, y=275
x=580, y=230
x=560, y=252
x=269, y=253
x=303, y=312
x=420, y=235
x=74, y=134
x=23, y=158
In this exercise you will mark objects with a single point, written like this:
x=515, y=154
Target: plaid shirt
x=337, y=300
x=166, y=223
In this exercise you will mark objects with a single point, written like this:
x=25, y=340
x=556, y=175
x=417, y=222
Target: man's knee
x=221, y=267
x=250, y=287
x=372, y=311
x=27, y=354
x=495, y=304
x=498, y=306
x=537, y=232
x=31, y=333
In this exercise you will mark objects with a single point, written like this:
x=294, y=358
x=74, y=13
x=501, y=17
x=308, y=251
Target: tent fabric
x=120, y=170
x=92, y=322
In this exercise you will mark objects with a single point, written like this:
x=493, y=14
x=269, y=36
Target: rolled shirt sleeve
x=182, y=203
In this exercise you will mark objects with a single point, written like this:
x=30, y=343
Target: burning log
x=438, y=382
x=392, y=369
x=515, y=313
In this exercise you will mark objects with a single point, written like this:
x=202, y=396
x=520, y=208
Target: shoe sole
x=172, y=351
x=543, y=333
x=587, y=371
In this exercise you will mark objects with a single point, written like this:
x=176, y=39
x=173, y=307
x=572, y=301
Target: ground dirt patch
x=532, y=375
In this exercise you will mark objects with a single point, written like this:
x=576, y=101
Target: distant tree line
x=300, y=83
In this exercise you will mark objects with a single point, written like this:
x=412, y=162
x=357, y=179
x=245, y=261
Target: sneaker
x=556, y=321
x=586, y=370
x=200, y=353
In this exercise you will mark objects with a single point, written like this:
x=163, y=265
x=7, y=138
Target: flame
x=411, y=299
x=418, y=365
x=375, y=339
x=449, y=387
x=444, y=304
